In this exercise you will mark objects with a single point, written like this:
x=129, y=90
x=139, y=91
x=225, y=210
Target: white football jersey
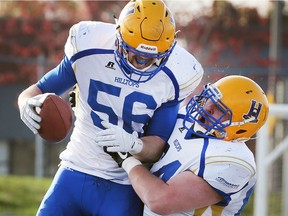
x=106, y=94
x=229, y=167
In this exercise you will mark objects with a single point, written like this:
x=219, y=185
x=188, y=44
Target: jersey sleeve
x=193, y=78
x=71, y=44
x=228, y=177
x=187, y=71
x=82, y=37
x=163, y=121
x=59, y=79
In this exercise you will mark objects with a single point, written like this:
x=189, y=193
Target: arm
x=157, y=134
x=183, y=192
x=148, y=148
x=153, y=147
x=30, y=92
x=56, y=81
x=115, y=139
x=187, y=191
x=27, y=101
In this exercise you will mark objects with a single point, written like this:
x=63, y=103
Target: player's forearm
x=149, y=188
x=153, y=147
x=30, y=92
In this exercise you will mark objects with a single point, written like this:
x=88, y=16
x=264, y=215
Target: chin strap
x=240, y=123
x=201, y=130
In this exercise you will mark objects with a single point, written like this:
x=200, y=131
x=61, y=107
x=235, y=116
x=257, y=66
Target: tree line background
x=224, y=38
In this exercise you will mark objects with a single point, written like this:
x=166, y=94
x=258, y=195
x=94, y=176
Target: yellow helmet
x=238, y=97
x=146, y=28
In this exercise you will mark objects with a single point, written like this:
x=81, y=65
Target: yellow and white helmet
x=238, y=97
x=146, y=28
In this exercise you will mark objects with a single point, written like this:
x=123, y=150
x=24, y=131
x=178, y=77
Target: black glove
x=72, y=98
x=119, y=157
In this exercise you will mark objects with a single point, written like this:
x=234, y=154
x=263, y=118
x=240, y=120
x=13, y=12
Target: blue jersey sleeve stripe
x=89, y=52
x=180, y=116
x=202, y=159
x=59, y=79
x=174, y=81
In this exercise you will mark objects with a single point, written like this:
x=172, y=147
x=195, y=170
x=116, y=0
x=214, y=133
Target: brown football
x=57, y=119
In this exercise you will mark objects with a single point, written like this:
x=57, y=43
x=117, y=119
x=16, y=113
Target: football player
x=133, y=75
x=207, y=169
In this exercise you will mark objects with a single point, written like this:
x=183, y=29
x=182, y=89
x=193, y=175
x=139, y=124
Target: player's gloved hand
x=72, y=98
x=116, y=139
x=124, y=160
x=28, y=113
x=119, y=157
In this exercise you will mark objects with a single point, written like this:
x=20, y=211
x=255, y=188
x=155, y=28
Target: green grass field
x=21, y=195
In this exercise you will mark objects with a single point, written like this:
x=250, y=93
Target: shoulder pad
x=85, y=35
x=186, y=69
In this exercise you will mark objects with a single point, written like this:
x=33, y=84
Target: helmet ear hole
x=240, y=131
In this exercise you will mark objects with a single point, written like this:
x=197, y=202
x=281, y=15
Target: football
x=57, y=119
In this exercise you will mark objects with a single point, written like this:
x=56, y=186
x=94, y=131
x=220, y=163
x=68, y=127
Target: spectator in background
x=133, y=75
x=207, y=169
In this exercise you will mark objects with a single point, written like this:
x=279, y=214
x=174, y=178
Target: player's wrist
x=129, y=163
x=136, y=146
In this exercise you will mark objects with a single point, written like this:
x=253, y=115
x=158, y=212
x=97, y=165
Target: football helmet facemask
x=147, y=29
x=239, y=98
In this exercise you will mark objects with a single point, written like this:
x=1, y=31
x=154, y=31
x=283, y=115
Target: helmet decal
x=147, y=48
x=254, y=111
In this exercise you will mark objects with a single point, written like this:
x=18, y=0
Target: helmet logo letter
x=254, y=111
